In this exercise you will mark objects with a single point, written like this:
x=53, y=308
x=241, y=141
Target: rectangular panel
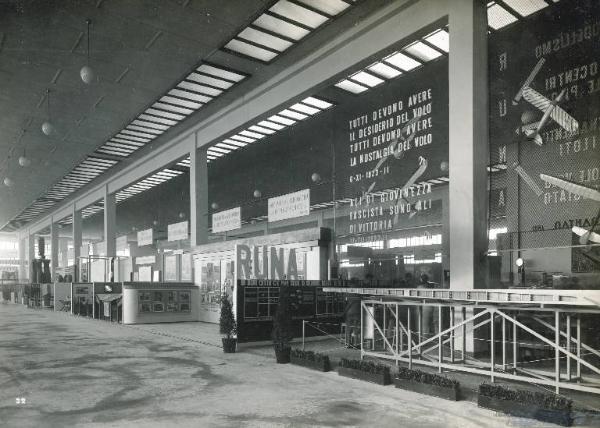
x=227, y=220
x=296, y=204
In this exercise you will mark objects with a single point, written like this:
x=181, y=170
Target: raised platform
x=589, y=299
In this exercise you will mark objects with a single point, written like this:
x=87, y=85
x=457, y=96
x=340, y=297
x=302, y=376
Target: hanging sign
x=296, y=204
x=144, y=237
x=106, y=309
x=177, y=231
x=145, y=260
x=227, y=220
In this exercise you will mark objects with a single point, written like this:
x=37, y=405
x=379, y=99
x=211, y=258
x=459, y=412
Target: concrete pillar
x=445, y=238
x=30, y=254
x=110, y=223
x=53, y=249
x=76, y=241
x=22, y=261
x=63, y=250
x=468, y=143
x=198, y=196
x=468, y=147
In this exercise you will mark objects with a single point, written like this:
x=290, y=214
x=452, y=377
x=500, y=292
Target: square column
x=22, y=261
x=76, y=241
x=198, y=196
x=53, y=249
x=468, y=143
x=30, y=254
x=110, y=223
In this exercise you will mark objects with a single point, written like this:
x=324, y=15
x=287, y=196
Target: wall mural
x=544, y=135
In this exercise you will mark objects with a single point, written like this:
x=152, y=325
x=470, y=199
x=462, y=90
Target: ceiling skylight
x=403, y=62
x=422, y=51
x=503, y=13
x=283, y=25
x=289, y=116
x=440, y=39
x=526, y=7
x=432, y=46
x=201, y=86
x=498, y=17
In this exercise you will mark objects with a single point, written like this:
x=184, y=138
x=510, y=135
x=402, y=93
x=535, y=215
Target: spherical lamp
x=8, y=182
x=519, y=262
x=214, y=206
x=315, y=177
x=155, y=222
x=257, y=193
x=47, y=128
x=87, y=74
x=181, y=215
x=24, y=161
x=444, y=166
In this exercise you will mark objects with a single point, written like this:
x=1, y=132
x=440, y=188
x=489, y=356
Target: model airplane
x=550, y=110
x=569, y=186
x=528, y=81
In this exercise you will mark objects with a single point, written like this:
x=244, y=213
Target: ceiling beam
x=389, y=25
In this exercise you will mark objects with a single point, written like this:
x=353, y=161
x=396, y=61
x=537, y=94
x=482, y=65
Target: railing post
x=419, y=328
x=568, y=346
x=362, y=309
x=515, y=345
x=303, y=332
x=440, y=350
x=556, y=349
x=492, y=343
x=578, y=348
x=397, y=332
x=452, y=334
x=409, y=340
x=503, y=344
x=464, y=335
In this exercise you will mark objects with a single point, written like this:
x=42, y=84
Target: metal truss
x=382, y=321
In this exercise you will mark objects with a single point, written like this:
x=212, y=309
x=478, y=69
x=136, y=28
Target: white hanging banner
x=227, y=220
x=144, y=237
x=292, y=205
x=145, y=260
x=177, y=231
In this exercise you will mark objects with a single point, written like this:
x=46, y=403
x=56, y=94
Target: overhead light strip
x=432, y=46
x=282, y=26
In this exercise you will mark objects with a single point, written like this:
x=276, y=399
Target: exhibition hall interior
x=406, y=192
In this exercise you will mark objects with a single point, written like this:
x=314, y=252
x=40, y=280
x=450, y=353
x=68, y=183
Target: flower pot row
x=525, y=404
x=378, y=378
x=320, y=365
x=448, y=393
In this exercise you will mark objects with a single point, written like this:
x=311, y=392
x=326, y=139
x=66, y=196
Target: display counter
x=107, y=301
x=158, y=302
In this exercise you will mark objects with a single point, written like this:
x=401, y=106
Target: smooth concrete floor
x=79, y=372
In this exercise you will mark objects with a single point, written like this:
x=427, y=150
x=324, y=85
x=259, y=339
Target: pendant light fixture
x=47, y=127
x=24, y=161
x=87, y=73
x=8, y=182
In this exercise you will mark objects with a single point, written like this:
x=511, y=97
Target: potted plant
x=542, y=406
x=282, y=333
x=365, y=370
x=427, y=383
x=310, y=359
x=227, y=325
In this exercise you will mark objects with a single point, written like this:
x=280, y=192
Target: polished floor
x=57, y=370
